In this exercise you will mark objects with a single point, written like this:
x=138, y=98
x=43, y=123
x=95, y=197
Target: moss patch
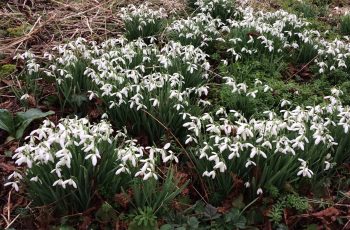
x=6, y=70
x=19, y=30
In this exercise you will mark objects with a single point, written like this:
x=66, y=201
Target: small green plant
x=144, y=219
x=16, y=125
x=142, y=21
x=345, y=24
x=300, y=204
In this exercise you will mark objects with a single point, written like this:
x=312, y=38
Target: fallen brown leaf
x=7, y=168
x=328, y=212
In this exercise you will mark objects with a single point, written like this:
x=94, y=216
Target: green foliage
x=306, y=53
x=155, y=195
x=16, y=125
x=74, y=87
x=273, y=191
x=300, y=204
x=233, y=219
x=276, y=213
x=306, y=10
x=345, y=87
x=345, y=24
x=297, y=90
x=29, y=87
x=205, y=216
x=247, y=72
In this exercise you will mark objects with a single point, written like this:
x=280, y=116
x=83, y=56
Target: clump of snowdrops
x=68, y=164
x=287, y=146
x=145, y=88
x=200, y=30
x=142, y=21
x=222, y=9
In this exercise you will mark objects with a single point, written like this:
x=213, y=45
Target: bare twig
x=306, y=65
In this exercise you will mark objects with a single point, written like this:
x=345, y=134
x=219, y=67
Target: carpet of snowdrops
x=155, y=87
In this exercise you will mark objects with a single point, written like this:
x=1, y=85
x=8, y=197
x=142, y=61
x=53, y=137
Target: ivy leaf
x=210, y=211
x=193, y=222
x=166, y=227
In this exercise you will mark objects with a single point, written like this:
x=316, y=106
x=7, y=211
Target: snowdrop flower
x=221, y=166
x=259, y=191
x=211, y=174
x=155, y=102
x=249, y=162
x=257, y=151
x=267, y=88
x=190, y=139
x=170, y=157
x=285, y=102
x=304, y=170
x=25, y=97
x=122, y=168
x=70, y=182
x=60, y=183
x=93, y=157
x=13, y=184
x=328, y=165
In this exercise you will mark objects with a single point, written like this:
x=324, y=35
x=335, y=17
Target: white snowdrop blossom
x=304, y=170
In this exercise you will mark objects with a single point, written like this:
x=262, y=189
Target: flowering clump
x=200, y=30
x=137, y=77
x=222, y=9
x=73, y=158
x=228, y=142
x=263, y=33
x=142, y=21
x=67, y=157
